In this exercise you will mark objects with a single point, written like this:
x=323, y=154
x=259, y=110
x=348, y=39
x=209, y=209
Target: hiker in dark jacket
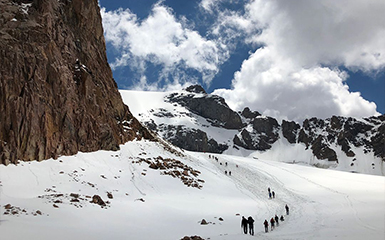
x=276, y=219
x=250, y=220
x=244, y=224
x=272, y=223
x=281, y=218
x=287, y=209
x=273, y=193
x=266, y=224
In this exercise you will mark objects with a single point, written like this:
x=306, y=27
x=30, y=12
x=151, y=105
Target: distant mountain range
x=194, y=120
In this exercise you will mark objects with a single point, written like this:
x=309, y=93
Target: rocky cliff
x=57, y=94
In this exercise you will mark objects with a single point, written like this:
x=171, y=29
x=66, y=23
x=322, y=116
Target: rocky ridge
x=57, y=93
x=324, y=138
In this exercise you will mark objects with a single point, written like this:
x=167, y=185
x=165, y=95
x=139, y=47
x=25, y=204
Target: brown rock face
x=57, y=94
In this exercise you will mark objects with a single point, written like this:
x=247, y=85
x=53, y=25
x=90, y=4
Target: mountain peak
x=196, y=89
x=205, y=123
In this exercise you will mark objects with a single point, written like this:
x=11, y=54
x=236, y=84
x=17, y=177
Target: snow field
x=324, y=204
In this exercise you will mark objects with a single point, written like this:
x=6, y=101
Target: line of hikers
x=248, y=224
x=275, y=220
x=220, y=163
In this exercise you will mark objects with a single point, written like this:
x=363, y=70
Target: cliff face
x=57, y=94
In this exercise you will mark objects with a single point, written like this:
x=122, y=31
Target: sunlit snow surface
x=324, y=204
x=146, y=204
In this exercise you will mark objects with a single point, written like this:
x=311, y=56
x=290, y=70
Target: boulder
x=204, y=222
x=96, y=199
x=192, y=238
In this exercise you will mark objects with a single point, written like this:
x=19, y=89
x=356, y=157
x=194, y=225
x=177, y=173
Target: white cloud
x=162, y=40
x=327, y=32
x=207, y=4
x=295, y=75
x=278, y=88
x=285, y=78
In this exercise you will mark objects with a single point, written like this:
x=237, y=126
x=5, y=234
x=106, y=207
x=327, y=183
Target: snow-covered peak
x=198, y=121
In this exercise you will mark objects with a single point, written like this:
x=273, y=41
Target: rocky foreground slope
x=214, y=127
x=57, y=94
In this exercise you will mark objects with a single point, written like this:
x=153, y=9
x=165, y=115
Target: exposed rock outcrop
x=290, y=130
x=192, y=140
x=212, y=107
x=263, y=134
x=57, y=94
x=247, y=113
x=345, y=133
x=377, y=141
x=196, y=89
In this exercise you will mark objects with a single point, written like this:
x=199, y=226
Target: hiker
x=273, y=193
x=276, y=219
x=268, y=189
x=266, y=224
x=281, y=218
x=230, y=173
x=244, y=224
x=250, y=220
x=270, y=195
x=272, y=223
x=226, y=164
x=226, y=172
x=287, y=209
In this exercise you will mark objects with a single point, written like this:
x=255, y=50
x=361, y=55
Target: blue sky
x=287, y=59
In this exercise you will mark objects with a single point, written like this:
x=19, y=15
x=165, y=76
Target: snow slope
x=146, y=204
